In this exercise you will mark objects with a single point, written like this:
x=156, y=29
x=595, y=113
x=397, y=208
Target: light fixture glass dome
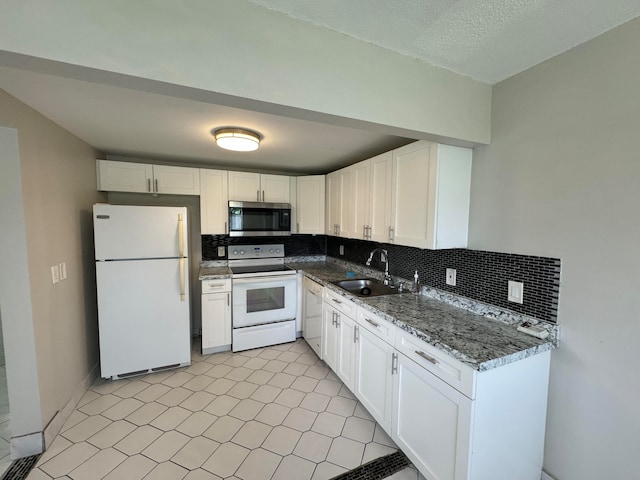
x=237, y=139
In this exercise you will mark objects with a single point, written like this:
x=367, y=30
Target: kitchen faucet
x=385, y=257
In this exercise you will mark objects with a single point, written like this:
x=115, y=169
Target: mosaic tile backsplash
x=294, y=245
x=480, y=275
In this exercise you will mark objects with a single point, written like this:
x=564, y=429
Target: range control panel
x=239, y=252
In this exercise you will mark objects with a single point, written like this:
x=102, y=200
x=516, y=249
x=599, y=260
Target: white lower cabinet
x=346, y=364
x=216, y=316
x=331, y=337
x=453, y=422
x=339, y=346
x=431, y=422
x=373, y=380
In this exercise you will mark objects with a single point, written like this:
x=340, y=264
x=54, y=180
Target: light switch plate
x=63, y=270
x=516, y=291
x=222, y=251
x=55, y=274
x=451, y=276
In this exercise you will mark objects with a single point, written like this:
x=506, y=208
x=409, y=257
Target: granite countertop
x=214, y=272
x=480, y=342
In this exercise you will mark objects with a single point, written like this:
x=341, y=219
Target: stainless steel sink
x=366, y=287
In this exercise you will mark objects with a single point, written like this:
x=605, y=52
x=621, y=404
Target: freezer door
x=126, y=231
x=142, y=321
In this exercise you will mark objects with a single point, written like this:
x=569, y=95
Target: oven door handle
x=270, y=278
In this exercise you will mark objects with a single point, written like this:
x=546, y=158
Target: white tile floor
x=264, y=414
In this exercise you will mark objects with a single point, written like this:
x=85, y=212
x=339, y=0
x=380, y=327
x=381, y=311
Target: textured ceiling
x=487, y=40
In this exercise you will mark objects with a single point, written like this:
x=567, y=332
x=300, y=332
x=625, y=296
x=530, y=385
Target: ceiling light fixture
x=237, y=139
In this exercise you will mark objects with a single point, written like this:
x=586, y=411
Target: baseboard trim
x=26, y=445
x=59, y=419
x=221, y=348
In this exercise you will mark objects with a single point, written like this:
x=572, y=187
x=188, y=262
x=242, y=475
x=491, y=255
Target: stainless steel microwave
x=259, y=219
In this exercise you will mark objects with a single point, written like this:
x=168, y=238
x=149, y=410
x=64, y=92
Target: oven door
x=259, y=300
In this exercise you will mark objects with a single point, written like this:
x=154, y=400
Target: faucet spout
x=385, y=258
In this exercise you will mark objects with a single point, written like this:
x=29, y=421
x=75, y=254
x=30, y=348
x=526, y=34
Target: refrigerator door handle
x=180, y=236
x=182, y=292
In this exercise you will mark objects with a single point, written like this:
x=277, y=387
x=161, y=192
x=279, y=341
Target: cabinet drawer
x=377, y=325
x=216, y=285
x=340, y=303
x=455, y=373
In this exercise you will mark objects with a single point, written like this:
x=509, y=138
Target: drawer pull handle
x=372, y=322
x=216, y=285
x=427, y=357
x=394, y=363
x=337, y=301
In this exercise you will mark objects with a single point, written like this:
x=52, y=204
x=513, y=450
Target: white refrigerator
x=142, y=274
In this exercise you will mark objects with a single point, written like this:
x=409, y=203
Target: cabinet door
x=411, y=191
x=310, y=204
x=214, y=197
x=333, y=202
x=374, y=382
x=176, y=180
x=216, y=322
x=431, y=422
x=346, y=368
x=274, y=188
x=355, y=200
x=124, y=176
x=380, y=197
x=330, y=333
x=245, y=186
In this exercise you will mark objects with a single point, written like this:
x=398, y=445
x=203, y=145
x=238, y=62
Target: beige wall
x=562, y=179
x=58, y=188
x=243, y=51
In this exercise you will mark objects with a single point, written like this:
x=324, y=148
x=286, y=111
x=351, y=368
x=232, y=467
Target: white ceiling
x=488, y=40
x=122, y=122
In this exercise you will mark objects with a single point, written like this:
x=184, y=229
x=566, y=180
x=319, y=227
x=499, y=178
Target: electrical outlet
x=55, y=274
x=516, y=291
x=63, y=270
x=451, y=276
x=222, y=251
x=341, y=249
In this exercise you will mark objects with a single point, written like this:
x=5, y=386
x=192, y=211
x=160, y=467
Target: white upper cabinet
x=146, y=178
x=244, y=186
x=176, y=180
x=430, y=191
x=380, y=197
x=417, y=196
x=214, y=199
x=275, y=188
x=333, y=202
x=256, y=187
x=124, y=177
x=355, y=206
x=310, y=204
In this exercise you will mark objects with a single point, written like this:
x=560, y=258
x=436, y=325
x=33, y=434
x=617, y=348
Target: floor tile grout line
x=295, y=375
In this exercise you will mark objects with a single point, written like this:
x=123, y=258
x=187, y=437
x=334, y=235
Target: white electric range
x=264, y=296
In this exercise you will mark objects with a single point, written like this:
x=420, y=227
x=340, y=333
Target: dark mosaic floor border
x=19, y=469
x=377, y=469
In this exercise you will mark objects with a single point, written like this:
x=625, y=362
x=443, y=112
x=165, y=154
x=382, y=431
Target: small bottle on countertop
x=416, y=283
